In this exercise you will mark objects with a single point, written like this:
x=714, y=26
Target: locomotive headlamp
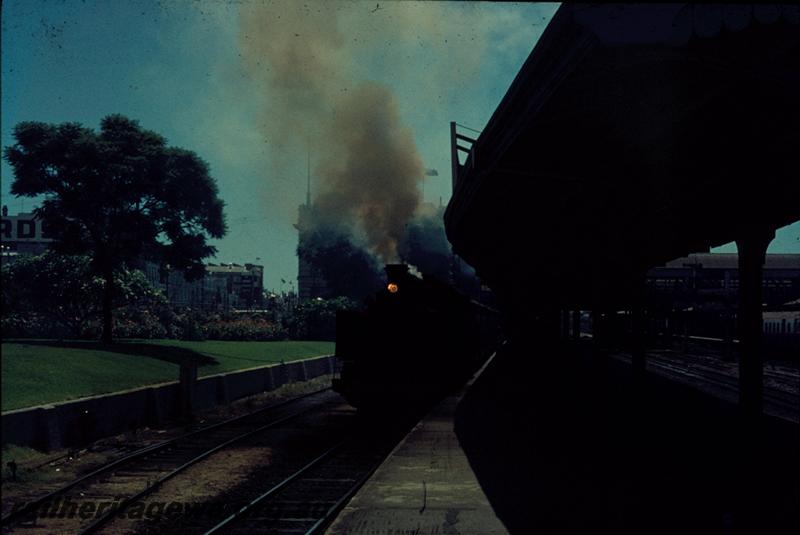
x=392, y=287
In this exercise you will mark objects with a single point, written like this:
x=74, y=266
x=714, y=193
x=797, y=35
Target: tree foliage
x=118, y=195
x=63, y=289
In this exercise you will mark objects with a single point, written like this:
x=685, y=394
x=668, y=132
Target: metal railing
x=456, y=147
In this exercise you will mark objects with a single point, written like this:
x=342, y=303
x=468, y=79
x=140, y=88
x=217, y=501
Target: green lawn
x=38, y=372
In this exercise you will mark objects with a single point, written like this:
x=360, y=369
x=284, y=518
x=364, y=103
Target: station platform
x=425, y=486
x=561, y=440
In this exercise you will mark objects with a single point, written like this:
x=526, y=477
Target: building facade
x=310, y=281
x=244, y=283
x=224, y=287
x=700, y=294
x=708, y=277
x=22, y=233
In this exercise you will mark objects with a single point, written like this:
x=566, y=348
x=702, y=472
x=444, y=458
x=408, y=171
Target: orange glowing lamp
x=392, y=287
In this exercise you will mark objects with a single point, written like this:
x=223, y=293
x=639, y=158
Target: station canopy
x=632, y=135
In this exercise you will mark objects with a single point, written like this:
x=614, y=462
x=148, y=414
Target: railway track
x=304, y=487
x=132, y=477
x=785, y=376
x=781, y=392
x=306, y=501
x=780, y=398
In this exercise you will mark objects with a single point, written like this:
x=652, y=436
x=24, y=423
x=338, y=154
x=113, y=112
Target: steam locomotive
x=414, y=341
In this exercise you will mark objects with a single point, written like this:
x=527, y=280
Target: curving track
x=140, y=473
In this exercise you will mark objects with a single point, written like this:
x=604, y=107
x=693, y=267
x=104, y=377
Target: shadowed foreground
x=562, y=443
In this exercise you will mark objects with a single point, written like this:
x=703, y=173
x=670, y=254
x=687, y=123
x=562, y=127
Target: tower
x=310, y=281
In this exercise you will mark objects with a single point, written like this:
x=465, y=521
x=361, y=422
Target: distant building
x=310, y=281
x=22, y=234
x=206, y=293
x=245, y=284
x=224, y=287
x=710, y=277
x=782, y=322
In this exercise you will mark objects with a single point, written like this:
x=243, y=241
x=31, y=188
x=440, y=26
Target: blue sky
x=177, y=67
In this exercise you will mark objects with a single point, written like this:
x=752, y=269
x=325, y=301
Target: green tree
x=118, y=195
x=64, y=289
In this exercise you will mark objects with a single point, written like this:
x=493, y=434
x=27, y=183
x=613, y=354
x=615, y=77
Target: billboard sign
x=22, y=228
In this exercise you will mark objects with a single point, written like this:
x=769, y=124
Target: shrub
x=54, y=295
x=189, y=325
x=316, y=319
x=135, y=322
x=244, y=328
x=31, y=325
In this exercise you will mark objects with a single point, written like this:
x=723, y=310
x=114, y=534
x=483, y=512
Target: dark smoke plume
x=367, y=168
x=348, y=270
x=425, y=246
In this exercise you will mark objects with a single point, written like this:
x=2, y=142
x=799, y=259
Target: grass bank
x=37, y=372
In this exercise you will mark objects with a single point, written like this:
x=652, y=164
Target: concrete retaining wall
x=78, y=422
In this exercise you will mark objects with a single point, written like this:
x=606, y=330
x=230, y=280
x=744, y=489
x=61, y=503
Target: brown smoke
x=367, y=168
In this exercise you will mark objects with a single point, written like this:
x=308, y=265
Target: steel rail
x=331, y=513
x=102, y=520
x=257, y=501
x=147, y=450
x=712, y=377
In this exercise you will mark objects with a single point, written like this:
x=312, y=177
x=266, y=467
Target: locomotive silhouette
x=415, y=340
